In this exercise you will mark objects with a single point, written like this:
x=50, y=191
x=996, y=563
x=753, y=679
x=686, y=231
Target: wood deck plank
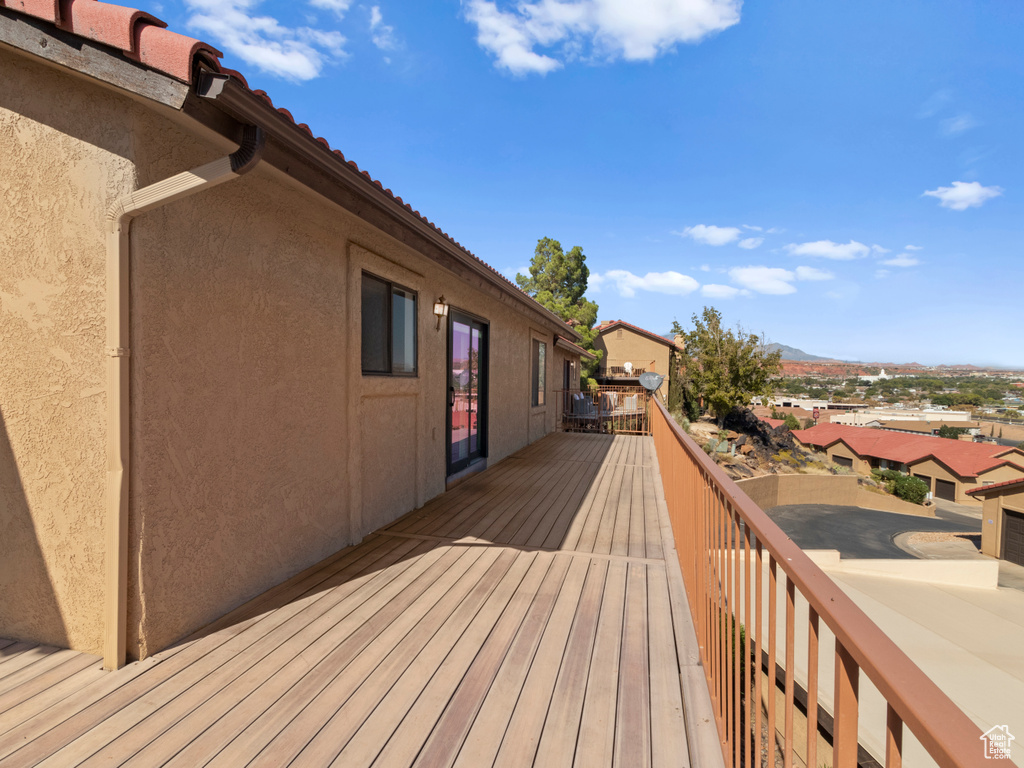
x=633, y=717
x=546, y=635
x=354, y=619
x=668, y=727
x=287, y=725
x=431, y=639
x=561, y=728
x=596, y=742
x=487, y=730
x=524, y=729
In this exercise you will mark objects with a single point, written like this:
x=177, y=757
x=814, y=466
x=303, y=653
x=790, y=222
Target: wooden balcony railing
x=620, y=370
x=728, y=548
x=607, y=409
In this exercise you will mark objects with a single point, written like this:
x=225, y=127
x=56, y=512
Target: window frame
x=392, y=286
x=538, y=373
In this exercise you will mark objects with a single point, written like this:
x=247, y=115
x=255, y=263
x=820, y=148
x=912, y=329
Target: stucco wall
x=622, y=345
x=993, y=519
x=260, y=447
x=841, y=449
x=65, y=155
x=781, y=490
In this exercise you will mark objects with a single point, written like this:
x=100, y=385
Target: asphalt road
x=857, y=532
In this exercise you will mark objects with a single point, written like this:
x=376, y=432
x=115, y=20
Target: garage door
x=927, y=480
x=944, y=489
x=1013, y=537
x=843, y=461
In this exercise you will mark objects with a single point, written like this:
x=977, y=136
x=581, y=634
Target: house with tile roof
x=1002, y=519
x=630, y=351
x=951, y=468
x=228, y=350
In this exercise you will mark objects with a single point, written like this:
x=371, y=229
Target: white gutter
x=119, y=220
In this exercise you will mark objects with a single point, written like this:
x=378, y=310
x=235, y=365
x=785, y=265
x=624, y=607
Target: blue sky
x=844, y=177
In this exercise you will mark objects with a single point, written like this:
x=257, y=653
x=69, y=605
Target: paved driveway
x=857, y=532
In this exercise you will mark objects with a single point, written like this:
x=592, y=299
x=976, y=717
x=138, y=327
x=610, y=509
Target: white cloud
x=382, y=35
x=770, y=280
x=879, y=249
x=903, y=260
x=954, y=126
x=752, y=228
x=705, y=268
x=709, y=234
x=628, y=284
x=935, y=103
x=811, y=273
x=713, y=291
x=339, y=7
x=608, y=29
x=913, y=248
x=294, y=53
x=963, y=195
x=826, y=249
x=750, y=242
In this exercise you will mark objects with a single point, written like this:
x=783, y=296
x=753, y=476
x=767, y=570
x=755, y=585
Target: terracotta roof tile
x=967, y=459
x=143, y=38
x=995, y=486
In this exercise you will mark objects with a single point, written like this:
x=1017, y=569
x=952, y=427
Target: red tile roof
x=773, y=423
x=144, y=38
x=138, y=35
x=995, y=486
x=966, y=459
x=607, y=326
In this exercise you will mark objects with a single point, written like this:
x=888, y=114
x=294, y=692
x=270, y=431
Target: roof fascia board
x=640, y=332
x=286, y=141
x=576, y=350
x=45, y=41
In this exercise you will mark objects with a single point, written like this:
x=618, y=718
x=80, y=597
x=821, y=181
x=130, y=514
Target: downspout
x=118, y=225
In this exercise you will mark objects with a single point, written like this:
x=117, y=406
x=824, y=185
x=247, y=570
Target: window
x=389, y=328
x=540, y=350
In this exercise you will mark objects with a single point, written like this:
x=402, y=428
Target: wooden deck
x=527, y=617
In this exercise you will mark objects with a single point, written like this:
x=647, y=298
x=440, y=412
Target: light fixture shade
x=441, y=308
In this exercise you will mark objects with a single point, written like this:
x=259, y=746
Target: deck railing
x=607, y=409
x=728, y=548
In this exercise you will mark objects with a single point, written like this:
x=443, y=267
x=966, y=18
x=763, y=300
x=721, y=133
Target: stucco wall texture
x=781, y=490
x=258, y=447
x=66, y=156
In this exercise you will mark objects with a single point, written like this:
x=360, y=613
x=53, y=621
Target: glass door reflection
x=467, y=344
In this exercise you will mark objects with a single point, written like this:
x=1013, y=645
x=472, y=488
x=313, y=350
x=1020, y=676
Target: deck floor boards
x=524, y=618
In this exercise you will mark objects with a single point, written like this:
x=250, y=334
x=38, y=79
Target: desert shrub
x=906, y=487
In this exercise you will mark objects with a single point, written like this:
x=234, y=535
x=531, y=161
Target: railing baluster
x=844, y=731
x=727, y=618
x=735, y=617
x=893, y=738
x=787, y=759
x=748, y=669
x=773, y=589
x=758, y=650
x=812, y=688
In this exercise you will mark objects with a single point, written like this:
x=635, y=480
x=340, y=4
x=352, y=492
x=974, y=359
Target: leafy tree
x=558, y=281
x=722, y=368
x=791, y=421
x=952, y=433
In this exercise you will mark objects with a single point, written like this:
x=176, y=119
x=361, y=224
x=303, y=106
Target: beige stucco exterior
x=620, y=344
x=993, y=517
x=937, y=470
x=257, y=445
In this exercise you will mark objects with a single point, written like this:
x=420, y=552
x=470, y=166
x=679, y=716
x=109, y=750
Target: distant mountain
x=792, y=353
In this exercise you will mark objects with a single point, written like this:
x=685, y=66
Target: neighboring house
x=630, y=351
x=951, y=468
x=221, y=358
x=972, y=428
x=1002, y=519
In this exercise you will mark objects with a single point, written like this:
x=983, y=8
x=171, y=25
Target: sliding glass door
x=467, y=391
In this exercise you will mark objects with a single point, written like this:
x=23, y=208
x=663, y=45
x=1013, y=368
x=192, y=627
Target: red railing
x=728, y=548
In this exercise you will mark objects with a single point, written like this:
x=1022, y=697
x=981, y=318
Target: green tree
x=558, y=281
x=722, y=368
x=791, y=421
x=952, y=433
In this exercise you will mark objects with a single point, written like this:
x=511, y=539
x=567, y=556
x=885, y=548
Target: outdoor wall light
x=440, y=310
